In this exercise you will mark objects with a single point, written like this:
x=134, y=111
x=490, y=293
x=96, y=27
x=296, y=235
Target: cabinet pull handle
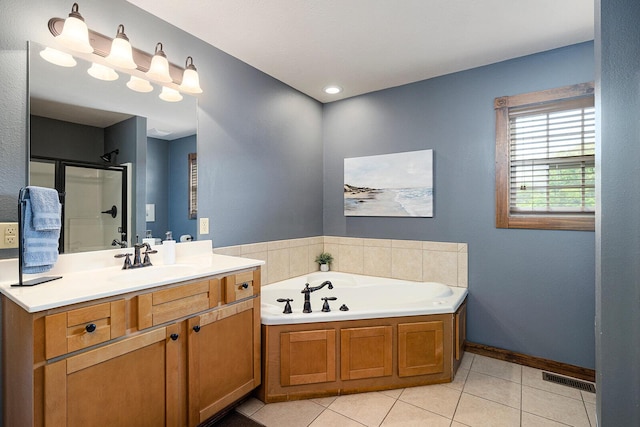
x=90, y=327
x=174, y=337
x=196, y=328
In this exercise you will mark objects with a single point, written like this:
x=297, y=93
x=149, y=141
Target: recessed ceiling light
x=332, y=89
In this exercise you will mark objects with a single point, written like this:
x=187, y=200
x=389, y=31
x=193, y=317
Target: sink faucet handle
x=325, y=306
x=287, y=306
x=147, y=261
x=127, y=260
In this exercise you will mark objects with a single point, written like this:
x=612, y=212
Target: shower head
x=110, y=156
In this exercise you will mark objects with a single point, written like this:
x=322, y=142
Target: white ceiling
x=368, y=45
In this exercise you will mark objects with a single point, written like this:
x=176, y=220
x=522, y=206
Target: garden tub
x=395, y=334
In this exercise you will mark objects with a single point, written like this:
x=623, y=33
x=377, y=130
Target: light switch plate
x=204, y=225
x=8, y=235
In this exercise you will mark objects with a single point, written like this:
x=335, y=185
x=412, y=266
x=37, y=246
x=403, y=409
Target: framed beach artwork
x=399, y=184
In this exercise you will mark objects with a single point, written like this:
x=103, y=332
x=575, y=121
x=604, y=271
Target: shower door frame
x=59, y=178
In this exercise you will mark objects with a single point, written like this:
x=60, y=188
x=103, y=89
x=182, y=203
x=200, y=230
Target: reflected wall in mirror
x=127, y=150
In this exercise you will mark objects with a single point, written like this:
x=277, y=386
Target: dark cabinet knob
x=245, y=285
x=174, y=336
x=90, y=327
x=196, y=328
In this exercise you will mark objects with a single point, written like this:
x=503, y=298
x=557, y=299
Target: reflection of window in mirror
x=193, y=186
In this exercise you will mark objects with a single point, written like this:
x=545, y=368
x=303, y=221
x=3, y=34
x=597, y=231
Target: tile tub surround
x=415, y=260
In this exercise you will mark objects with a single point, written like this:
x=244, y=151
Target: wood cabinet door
x=420, y=348
x=307, y=357
x=223, y=358
x=366, y=352
x=120, y=384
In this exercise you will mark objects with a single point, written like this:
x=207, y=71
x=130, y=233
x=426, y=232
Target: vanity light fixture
x=75, y=34
x=170, y=95
x=102, y=72
x=139, y=85
x=57, y=57
x=121, y=54
x=190, y=80
x=332, y=89
x=159, y=68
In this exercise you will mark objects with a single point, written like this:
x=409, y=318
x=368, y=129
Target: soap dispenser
x=169, y=249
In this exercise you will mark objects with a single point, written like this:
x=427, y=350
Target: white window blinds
x=551, y=158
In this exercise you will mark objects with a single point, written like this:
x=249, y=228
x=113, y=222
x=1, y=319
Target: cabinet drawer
x=241, y=285
x=166, y=305
x=83, y=327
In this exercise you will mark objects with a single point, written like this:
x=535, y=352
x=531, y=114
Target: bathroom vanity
x=172, y=345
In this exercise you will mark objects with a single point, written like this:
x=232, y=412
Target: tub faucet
x=307, y=291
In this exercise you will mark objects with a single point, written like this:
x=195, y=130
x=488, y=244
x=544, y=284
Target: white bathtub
x=366, y=297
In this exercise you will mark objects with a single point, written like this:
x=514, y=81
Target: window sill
x=577, y=223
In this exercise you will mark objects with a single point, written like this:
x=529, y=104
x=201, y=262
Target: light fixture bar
x=102, y=45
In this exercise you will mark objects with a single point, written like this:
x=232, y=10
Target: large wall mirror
x=123, y=160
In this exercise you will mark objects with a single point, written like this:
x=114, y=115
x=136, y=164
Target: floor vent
x=570, y=382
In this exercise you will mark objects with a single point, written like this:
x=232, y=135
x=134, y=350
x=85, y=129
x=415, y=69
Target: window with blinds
x=545, y=159
x=193, y=186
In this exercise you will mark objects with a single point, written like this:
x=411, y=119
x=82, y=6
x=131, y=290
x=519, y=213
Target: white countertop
x=93, y=275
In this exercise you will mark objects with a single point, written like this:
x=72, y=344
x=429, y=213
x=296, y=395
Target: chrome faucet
x=307, y=291
x=121, y=243
x=137, y=260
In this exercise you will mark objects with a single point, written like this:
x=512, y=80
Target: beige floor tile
x=475, y=411
x=531, y=420
x=493, y=388
x=467, y=359
x=588, y=397
x=250, y=406
x=405, y=415
x=591, y=413
x=393, y=393
x=366, y=408
x=299, y=413
x=497, y=368
x=554, y=406
x=325, y=401
x=457, y=424
x=435, y=398
x=459, y=379
x=533, y=378
x=328, y=418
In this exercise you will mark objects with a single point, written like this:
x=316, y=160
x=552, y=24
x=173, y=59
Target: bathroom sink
x=153, y=273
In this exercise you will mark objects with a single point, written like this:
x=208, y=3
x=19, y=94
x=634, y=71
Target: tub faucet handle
x=325, y=306
x=287, y=306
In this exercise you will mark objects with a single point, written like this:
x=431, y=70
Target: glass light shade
x=102, y=72
x=75, y=34
x=121, y=54
x=159, y=68
x=190, y=80
x=139, y=85
x=170, y=95
x=57, y=57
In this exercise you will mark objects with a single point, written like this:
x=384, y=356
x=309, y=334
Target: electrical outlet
x=204, y=225
x=8, y=235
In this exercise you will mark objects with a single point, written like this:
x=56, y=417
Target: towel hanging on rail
x=41, y=220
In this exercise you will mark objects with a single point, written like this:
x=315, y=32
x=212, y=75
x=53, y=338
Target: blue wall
x=158, y=185
x=531, y=291
x=179, y=222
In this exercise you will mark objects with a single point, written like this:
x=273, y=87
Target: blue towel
x=39, y=248
x=45, y=203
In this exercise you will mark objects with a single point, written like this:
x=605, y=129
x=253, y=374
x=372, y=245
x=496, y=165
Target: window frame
x=544, y=221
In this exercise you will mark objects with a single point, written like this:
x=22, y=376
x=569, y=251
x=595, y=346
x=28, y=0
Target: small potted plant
x=324, y=259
